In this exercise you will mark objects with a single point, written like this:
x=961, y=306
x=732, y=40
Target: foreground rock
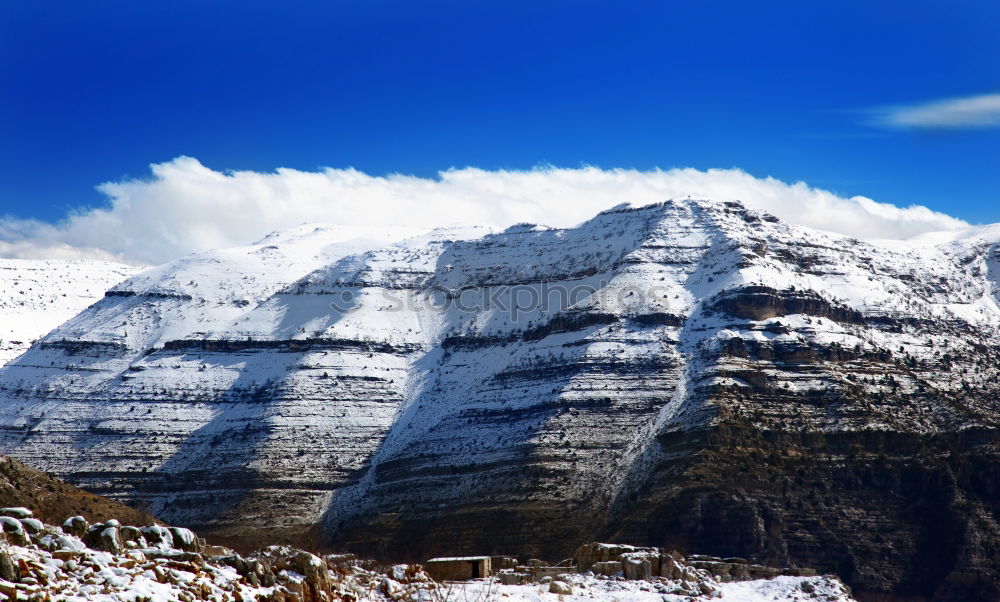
x=111, y=561
x=115, y=562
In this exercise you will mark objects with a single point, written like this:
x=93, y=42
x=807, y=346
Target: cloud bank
x=187, y=207
x=971, y=112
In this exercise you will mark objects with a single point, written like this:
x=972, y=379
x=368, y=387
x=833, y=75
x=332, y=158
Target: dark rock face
x=914, y=516
x=707, y=379
x=761, y=303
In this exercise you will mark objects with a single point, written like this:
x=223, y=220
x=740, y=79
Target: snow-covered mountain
x=689, y=371
x=38, y=295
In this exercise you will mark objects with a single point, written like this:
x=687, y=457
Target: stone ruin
x=459, y=568
x=614, y=561
x=637, y=563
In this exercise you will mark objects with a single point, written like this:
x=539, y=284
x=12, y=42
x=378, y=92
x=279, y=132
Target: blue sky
x=97, y=91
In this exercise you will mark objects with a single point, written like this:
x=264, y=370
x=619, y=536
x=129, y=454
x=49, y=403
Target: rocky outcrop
x=687, y=371
x=758, y=303
x=644, y=563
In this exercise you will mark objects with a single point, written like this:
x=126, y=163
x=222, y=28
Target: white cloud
x=188, y=207
x=971, y=112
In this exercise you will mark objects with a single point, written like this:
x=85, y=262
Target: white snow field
x=36, y=295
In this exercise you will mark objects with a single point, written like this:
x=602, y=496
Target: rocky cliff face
x=688, y=371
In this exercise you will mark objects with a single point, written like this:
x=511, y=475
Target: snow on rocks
x=13, y=530
x=33, y=525
x=560, y=587
x=17, y=512
x=185, y=539
x=76, y=525
x=52, y=563
x=577, y=588
x=158, y=536
x=621, y=572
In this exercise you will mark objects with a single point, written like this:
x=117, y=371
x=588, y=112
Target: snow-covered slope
x=38, y=295
x=689, y=369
